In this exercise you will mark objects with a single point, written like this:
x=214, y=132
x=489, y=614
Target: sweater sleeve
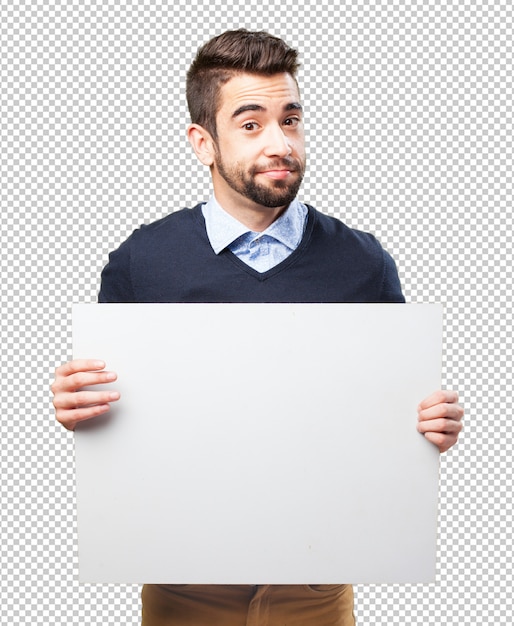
x=116, y=283
x=391, y=290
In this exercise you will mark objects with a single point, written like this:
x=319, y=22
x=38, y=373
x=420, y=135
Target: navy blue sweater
x=171, y=260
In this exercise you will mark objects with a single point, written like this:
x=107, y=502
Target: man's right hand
x=72, y=403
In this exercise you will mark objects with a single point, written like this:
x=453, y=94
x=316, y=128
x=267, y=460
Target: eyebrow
x=292, y=106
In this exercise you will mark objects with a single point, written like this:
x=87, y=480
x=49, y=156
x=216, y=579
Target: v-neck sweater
x=171, y=260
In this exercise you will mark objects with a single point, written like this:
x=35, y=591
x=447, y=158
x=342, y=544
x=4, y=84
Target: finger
x=447, y=426
x=87, y=379
x=441, y=396
x=69, y=419
x=81, y=399
x=443, y=441
x=81, y=379
x=450, y=411
x=79, y=365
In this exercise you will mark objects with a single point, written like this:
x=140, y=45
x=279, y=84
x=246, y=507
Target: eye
x=249, y=126
x=292, y=121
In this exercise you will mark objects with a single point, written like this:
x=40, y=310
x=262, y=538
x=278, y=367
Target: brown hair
x=219, y=59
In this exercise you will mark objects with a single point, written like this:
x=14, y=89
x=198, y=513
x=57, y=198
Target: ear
x=202, y=143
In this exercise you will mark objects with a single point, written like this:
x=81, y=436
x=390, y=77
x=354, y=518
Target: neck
x=255, y=217
x=256, y=220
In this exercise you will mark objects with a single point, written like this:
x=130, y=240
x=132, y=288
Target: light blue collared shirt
x=261, y=251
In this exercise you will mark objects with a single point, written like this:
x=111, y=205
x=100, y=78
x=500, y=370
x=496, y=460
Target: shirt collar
x=223, y=229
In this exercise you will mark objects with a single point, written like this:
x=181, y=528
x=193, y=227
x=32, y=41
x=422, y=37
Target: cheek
x=301, y=154
x=236, y=150
x=299, y=145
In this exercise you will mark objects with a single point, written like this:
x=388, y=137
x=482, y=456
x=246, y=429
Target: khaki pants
x=247, y=605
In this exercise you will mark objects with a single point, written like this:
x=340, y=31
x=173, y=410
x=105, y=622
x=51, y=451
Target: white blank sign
x=259, y=444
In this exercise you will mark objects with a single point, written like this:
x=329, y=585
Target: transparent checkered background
x=409, y=112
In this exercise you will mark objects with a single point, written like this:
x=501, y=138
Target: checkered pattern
x=409, y=112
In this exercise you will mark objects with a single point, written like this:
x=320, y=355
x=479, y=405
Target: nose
x=277, y=143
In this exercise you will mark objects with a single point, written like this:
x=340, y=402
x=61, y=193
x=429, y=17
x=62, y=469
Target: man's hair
x=230, y=53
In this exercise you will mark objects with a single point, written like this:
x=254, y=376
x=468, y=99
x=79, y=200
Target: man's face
x=260, y=151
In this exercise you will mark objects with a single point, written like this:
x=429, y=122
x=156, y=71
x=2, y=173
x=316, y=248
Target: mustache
x=285, y=163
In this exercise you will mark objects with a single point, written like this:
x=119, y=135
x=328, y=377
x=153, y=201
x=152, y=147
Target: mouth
x=276, y=174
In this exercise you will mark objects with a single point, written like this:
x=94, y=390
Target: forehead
x=277, y=90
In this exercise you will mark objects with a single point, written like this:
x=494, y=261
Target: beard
x=277, y=193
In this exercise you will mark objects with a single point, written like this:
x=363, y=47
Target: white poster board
x=259, y=444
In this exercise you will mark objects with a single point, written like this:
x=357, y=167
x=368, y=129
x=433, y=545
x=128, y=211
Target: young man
x=253, y=241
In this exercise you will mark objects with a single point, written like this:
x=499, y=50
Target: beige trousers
x=247, y=605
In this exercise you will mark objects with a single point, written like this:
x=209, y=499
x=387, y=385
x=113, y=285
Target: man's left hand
x=439, y=419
